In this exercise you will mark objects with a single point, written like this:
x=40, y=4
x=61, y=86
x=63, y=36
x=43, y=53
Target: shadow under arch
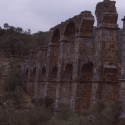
x=43, y=74
x=26, y=77
x=68, y=72
x=70, y=30
x=86, y=72
x=53, y=75
x=84, y=88
x=32, y=82
x=55, y=36
x=33, y=74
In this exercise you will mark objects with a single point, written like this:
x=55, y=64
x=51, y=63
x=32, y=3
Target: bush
x=64, y=113
x=48, y=101
x=107, y=114
x=39, y=102
x=12, y=80
x=32, y=100
x=97, y=110
x=38, y=116
x=8, y=115
x=15, y=96
x=66, y=116
x=101, y=114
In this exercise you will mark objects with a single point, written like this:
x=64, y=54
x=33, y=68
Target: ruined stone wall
x=73, y=70
x=122, y=78
x=105, y=84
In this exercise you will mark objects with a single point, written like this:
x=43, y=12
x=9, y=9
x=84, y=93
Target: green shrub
x=107, y=114
x=15, y=96
x=64, y=113
x=8, y=115
x=39, y=102
x=38, y=116
x=101, y=114
x=32, y=100
x=12, y=80
x=66, y=116
x=48, y=101
x=97, y=110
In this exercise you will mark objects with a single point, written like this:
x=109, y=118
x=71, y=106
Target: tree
x=16, y=42
x=6, y=25
x=12, y=80
x=19, y=30
x=41, y=38
x=2, y=32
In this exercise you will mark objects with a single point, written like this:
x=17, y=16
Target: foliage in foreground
x=12, y=85
x=47, y=101
x=11, y=112
x=101, y=114
x=12, y=80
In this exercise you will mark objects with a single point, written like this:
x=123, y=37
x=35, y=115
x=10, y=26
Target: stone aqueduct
x=76, y=67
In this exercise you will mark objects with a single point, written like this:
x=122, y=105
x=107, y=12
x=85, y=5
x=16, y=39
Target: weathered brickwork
x=73, y=70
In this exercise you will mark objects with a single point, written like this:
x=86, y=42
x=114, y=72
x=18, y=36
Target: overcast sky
x=41, y=15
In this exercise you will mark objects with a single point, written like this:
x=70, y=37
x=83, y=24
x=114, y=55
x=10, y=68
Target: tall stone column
x=122, y=79
x=123, y=52
x=31, y=76
x=83, y=53
x=47, y=70
x=29, y=73
x=36, y=91
x=59, y=73
x=105, y=59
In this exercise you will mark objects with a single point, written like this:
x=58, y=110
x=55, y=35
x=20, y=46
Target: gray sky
x=41, y=15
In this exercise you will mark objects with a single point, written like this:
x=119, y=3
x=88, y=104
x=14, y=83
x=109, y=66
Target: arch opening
x=87, y=72
x=32, y=85
x=56, y=36
x=68, y=72
x=43, y=74
x=26, y=77
x=70, y=30
x=85, y=87
x=33, y=74
x=54, y=73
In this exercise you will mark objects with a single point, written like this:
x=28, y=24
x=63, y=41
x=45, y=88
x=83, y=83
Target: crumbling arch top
x=70, y=29
x=55, y=36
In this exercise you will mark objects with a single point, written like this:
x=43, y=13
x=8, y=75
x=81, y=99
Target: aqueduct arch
x=32, y=79
x=86, y=72
x=26, y=78
x=76, y=38
x=56, y=36
x=70, y=30
x=43, y=74
x=54, y=73
x=33, y=74
x=68, y=72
